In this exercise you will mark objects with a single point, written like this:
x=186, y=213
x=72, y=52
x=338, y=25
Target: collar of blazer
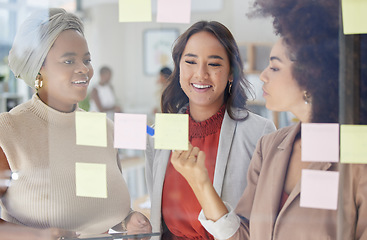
x=289, y=136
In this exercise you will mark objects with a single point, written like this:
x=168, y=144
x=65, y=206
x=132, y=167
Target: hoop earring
x=38, y=83
x=230, y=87
x=306, y=97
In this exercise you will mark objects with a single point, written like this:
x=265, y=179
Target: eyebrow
x=72, y=54
x=275, y=58
x=211, y=56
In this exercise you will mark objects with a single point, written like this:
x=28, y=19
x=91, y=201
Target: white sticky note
x=320, y=142
x=174, y=11
x=91, y=129
x=319, y=189
x=171, y=131
x=130, y=131
x=91, y=180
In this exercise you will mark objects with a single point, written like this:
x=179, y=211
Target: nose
x=263, y=75
x=202, y=72
x=82, y=68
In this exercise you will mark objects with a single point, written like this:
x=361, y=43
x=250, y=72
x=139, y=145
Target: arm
x=213, y=207
x=4, y=172
x=191, y=165
x=354, y=208
x=134, y=223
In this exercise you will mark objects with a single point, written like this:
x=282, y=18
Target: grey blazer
x=237, y=143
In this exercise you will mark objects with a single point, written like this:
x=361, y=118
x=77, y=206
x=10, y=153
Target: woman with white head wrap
x=37, y=140
x=35, y=38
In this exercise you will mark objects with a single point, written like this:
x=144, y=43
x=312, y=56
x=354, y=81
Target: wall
x=120, y=45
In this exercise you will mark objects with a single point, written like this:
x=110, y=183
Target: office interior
x=126, y=47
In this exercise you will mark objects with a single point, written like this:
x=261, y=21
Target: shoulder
x=280, y=135
x=5, y=120
x=254, y=118
x=254, y=123
x=8, y=119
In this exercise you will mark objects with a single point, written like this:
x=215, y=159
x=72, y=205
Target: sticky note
x=135, y=11
x=354, y=16
x=319, y=189
x=174, y=11
x=320, y=142
x=91, y=180
x=130, y=131
x=353, y=143
x=91, y=129
x=171, y=131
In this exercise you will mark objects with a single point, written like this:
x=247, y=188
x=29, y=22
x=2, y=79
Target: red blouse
x=180, y=208
x=283, y=199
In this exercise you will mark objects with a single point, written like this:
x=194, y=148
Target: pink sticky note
x=320, y=142
x=319, y=189
x=130, y=131
x=174, y=11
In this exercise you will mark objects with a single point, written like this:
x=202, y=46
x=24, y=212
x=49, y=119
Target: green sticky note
x=354, y=16
x=171, y=131
x=91, y=129
x=353, y=142
x=91, y=180
x=135, y=11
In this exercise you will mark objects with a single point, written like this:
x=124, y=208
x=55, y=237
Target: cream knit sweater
x=40, y=144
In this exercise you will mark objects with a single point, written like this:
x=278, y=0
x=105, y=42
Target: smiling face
x=204, y=72
x=281, y=90
x=66, y=72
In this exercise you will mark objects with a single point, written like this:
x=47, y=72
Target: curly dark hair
x=310, y=29
x=174, y=98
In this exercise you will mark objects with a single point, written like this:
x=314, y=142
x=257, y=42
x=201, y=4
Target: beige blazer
x=258, y=207
x=237, y=143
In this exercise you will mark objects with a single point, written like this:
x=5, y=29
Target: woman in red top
x=207, y=83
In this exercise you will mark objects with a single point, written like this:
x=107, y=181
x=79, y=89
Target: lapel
x=313, y=165
x=161, y=162
x=224, y=146
x=160, y=166
x=280, y=162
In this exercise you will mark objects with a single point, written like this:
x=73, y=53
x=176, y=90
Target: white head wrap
x=35, y=38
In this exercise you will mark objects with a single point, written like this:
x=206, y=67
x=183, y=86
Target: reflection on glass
x=4, y=24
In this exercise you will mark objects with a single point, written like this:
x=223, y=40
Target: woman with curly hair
x=302, y=77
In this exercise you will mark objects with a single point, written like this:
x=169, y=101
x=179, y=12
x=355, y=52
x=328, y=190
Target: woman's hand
x=191, y=165
x=137, y=222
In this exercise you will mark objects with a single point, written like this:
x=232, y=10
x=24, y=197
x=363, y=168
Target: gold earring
x=38, y=83
x=230, y=86
x=306, y=97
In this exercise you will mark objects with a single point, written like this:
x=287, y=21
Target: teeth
x=201, y=86
x=80, y=82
